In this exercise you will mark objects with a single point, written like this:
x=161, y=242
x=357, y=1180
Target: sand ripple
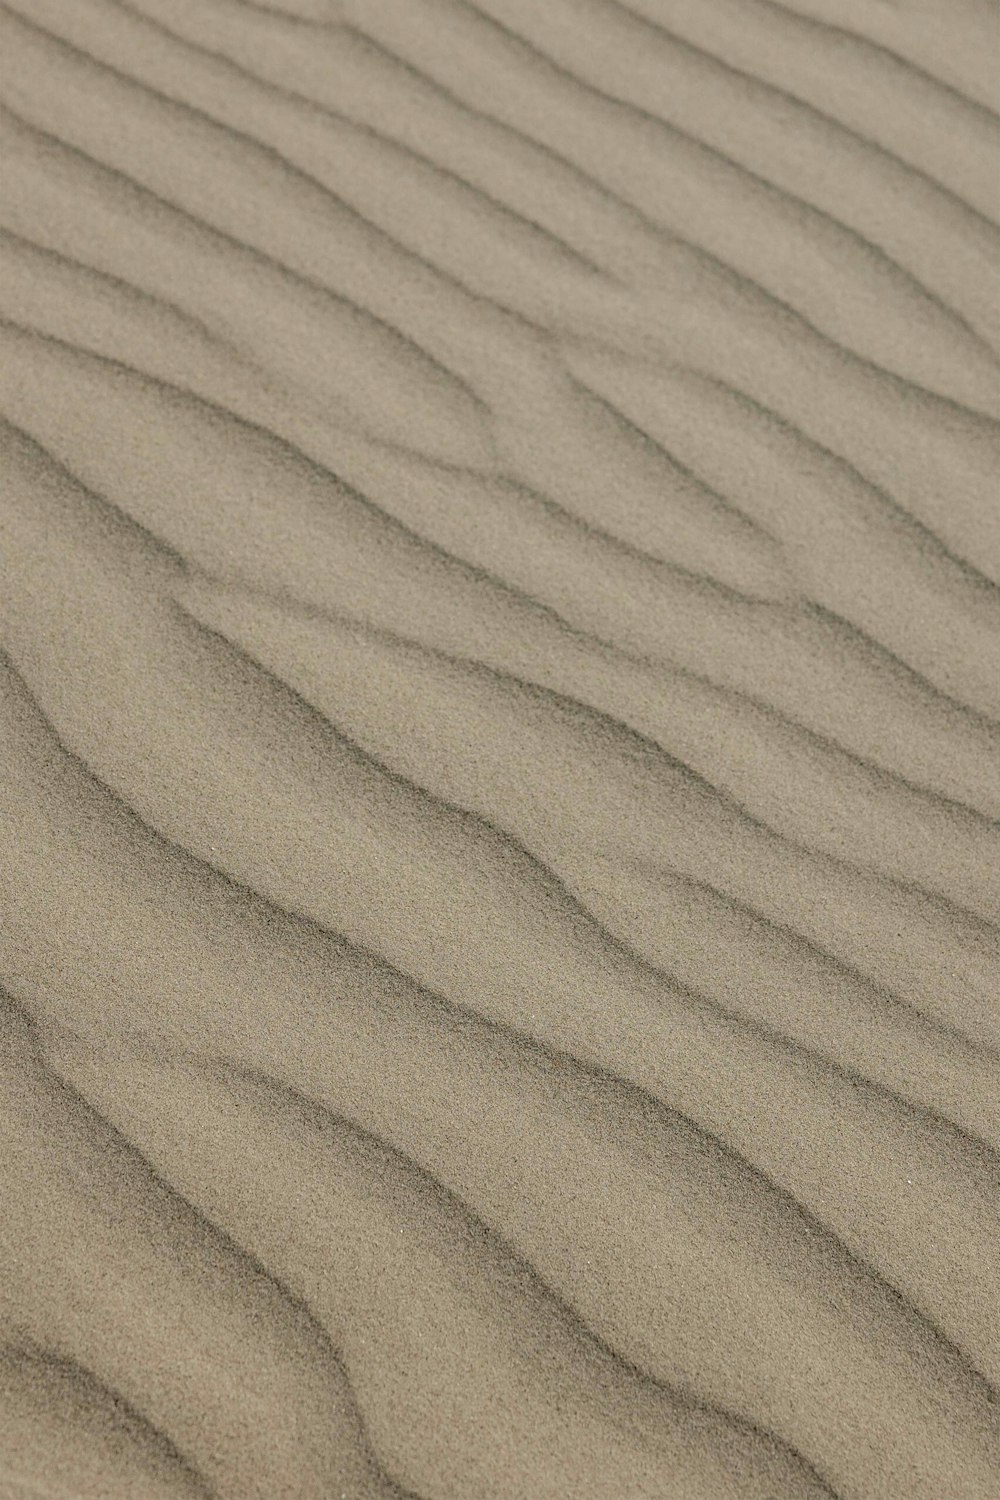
x=500, y=693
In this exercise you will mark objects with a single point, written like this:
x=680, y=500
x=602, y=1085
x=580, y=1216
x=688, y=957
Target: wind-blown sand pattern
x=500, y=702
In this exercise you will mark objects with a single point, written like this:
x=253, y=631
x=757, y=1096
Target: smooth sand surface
x=500, y=744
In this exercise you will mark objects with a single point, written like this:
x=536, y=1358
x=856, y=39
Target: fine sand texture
x=499, y=750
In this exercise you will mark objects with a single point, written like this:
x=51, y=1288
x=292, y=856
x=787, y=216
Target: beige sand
x=500, y=717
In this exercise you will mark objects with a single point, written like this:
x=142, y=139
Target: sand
x=500, y=720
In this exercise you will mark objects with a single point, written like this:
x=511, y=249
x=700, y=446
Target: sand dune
x=500, y=701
